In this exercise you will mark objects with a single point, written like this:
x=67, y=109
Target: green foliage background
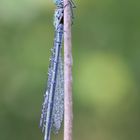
x=106, y=65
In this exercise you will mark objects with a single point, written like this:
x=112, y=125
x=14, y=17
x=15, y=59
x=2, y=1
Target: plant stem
x=68, y=113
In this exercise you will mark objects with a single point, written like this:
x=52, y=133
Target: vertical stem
x=68, y=114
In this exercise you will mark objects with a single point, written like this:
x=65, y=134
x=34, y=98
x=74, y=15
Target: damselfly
x=53, y=105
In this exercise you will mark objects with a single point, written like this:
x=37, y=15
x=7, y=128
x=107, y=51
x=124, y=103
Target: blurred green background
x=106, y=68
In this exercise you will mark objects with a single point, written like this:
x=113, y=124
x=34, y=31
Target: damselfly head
x=59, y=3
